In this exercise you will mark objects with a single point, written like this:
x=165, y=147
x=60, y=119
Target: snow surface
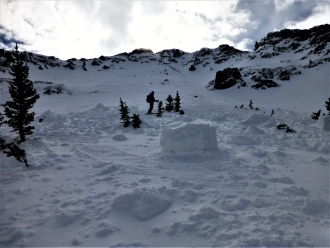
x=239, y=181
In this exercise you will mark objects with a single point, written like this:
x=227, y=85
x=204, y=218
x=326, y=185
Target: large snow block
x=324, y=123
x=182, y=137
x=259, y=120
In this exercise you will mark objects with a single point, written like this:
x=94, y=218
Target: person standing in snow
x=151, y=100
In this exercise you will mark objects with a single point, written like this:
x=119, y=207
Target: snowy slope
x=93, y=182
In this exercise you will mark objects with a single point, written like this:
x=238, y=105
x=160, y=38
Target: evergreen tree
x=177, y=100
x=327, y=105
x=169, y=105
x=136, y=121
x=316, y=116
x=2, y=141
x=1, y=119
x=250, y=105
x=23, y=95
x=160, y=109
x=2, y=144
x=124, y=113
x=18, y=153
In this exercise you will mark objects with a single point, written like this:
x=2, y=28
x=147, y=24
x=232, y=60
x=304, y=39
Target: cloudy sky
x=88, y=29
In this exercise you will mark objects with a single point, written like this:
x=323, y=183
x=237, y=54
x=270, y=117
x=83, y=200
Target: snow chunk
x=144, y=203
x=181, y=137
x=119, y=137
x=324, y=123
x=259, y=120
x=242, y=140
x=321, y=160
x=253, y=130
x=100, y=107
x=48, y=116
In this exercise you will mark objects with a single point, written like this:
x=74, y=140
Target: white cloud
x=89, y=29
x=321, y=15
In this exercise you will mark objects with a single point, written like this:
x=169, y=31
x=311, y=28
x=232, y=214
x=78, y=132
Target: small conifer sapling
x=160, y=109
x=177, y=102
x=169, y=105
x=136, y=121
x=124, y=117
x=2, y=141
x=250, y=104
x=316, y=115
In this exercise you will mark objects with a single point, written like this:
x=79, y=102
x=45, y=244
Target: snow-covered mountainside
x=220, y=175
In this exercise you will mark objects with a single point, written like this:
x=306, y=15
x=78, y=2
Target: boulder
x=227, y=78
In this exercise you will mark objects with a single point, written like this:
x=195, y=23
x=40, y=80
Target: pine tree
x=1, y=119
x=23, y=95
x=136, y=121
x=177, y=100
x=250, y=105
x=327, y=105
x=18, y=153
x=160, y=109
x=169, y=105
x=124, y=113
x=2, y=141
x=2, y=144
x=316, y=116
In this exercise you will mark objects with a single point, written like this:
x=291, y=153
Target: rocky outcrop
x=315, y=40
x=227, y=78
x=262, y=83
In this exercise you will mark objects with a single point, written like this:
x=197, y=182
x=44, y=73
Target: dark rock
x=96, y=62
x=140, y=51
x=70, y=65
x=192, y=68
x=56, y=89
x=284, y=75
x=102, y=57
x=227, y=78
x=263, y=83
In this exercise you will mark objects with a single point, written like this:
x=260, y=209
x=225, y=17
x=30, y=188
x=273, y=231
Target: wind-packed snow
x=219, y=175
